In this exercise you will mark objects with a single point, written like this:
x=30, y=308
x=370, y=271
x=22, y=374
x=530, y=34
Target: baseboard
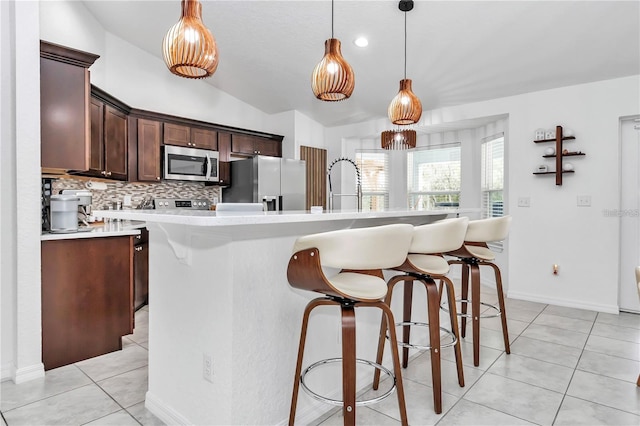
x=609, y=309
x=167, y=414
x=31, y=372
x=8, y=371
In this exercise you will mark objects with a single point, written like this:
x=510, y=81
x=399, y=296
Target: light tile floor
x=566, y=367
x=106, y=390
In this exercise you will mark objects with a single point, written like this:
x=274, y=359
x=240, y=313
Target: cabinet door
x=174, y=134
x=64, y=116
x=224, y=146
x=115, y=143
x=203, y=138
x=141, y=269
x=149, y=150
x=224, y=169
x=242, y=144
x=96, y=164
x=268, y=147
x=85, y=310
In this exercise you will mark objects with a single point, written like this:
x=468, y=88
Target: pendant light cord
x=331, y=18
x=405, y=45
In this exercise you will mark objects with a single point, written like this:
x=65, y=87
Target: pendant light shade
x=333, y=78
x=398, y=139
x=188, y=48
x=405, y=108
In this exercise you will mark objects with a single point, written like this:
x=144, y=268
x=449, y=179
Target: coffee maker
x=84, y=204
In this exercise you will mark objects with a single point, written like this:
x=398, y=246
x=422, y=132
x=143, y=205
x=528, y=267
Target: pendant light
x=188, y=48
x=333, y=78
x=398, y=139
x=405, y=108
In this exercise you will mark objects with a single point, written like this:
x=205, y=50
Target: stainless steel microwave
x=194, y=164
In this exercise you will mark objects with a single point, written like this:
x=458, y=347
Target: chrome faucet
x=358, y=193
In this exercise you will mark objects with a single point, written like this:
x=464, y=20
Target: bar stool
x=361, y=254
x=424, y=263
x=471, y=255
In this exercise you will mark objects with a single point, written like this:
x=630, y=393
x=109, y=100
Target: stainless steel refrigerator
x=278, y=183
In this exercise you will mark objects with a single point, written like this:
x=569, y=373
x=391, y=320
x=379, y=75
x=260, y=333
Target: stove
x=181, y=203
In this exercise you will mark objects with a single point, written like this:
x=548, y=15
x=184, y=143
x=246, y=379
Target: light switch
x=524, y=202
x=584, y=200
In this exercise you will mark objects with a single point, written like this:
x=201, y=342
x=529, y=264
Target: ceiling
x=457, y=51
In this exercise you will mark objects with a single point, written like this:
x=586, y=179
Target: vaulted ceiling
x=457, y=51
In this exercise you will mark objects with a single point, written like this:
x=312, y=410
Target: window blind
x=492, y=180
x=433, y=177
x=374, y=170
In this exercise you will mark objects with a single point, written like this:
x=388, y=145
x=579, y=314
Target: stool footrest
x=448, y=333
x=460, y=314
x=338, y=402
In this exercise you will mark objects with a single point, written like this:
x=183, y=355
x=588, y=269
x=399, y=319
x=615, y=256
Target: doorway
x=629, y=213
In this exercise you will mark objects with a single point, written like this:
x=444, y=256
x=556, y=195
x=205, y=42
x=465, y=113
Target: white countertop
x=213, y=218
x=110, y=229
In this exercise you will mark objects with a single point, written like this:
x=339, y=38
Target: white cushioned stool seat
x=360, y=255
x=423, y=264
x=471, y=255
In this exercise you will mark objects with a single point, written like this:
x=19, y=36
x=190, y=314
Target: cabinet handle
x=138, y=248
x=108, y=173
x=138, y=237
x=157, y=177
x=103, y=173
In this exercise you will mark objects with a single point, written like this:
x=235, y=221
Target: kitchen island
x=218, y=291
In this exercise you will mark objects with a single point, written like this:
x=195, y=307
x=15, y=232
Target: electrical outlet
x=524, y=202
x=584, y=200
x=207, y=367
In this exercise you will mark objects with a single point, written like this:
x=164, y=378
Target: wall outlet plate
x=524, y=202
x=584, y=200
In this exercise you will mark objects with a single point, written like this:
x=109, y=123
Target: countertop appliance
x=194, y=164
x=181, y=203
x=84, y=204
x=64, y=213
x=278, y=183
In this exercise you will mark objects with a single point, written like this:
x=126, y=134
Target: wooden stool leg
x=397, y=370
x=433, y=303
x=453, y=316
x=303, y=336
x=475, y=311
x=383, y=329
x=464, y=282
x=503, y=311
x=406, y=317
x=348, y=365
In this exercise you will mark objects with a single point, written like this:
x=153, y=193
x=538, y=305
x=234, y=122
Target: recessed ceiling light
x=361, y=42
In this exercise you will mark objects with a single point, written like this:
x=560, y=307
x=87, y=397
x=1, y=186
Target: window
x=433, y=177
x=374, y=170
x=492, y=178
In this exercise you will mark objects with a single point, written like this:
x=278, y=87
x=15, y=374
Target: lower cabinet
x=87, y=297
x=141, y=269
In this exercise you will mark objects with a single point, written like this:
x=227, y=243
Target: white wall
x=21, y=344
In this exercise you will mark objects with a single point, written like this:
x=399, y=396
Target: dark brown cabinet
x=204, y=138
x=108, y=141
x=224, y=171
x=64, y=107
x=141, y=269
x=86, y=306
x=149, y=162
x=254, y=145
x=191, y=137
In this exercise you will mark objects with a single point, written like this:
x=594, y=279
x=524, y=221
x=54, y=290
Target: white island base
x=218, y=288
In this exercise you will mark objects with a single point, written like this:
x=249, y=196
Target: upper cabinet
x=254, y=145
x=109, y=142
x=149, y=138
x=192, y=137
x=64, y=107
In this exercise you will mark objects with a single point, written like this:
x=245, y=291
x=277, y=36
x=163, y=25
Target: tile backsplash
x=138, y=191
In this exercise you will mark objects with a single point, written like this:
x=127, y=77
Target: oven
x=180, y=163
